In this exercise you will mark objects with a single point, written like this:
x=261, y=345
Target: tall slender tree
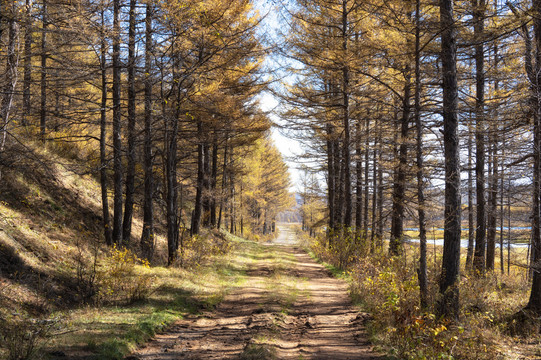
x=479, y=259
x=449, y=290
x=117, y=128
x=147, y=237
x=131, y=134
x=103, y=131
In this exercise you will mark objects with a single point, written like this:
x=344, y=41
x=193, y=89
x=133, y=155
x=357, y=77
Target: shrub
x=24, y=337
x=195, y=250
x=121, y=280
x=388, y=289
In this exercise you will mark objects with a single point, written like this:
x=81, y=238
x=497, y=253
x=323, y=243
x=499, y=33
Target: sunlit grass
x=488, y=327
x=110, y=332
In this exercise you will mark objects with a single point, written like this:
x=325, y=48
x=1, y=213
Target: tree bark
x=493, y=204
x=502, y=190
x=366, y=183
x=534, y=302
x=147, y=236
x=359, y=186
x=381, y=221
x=117, y=128
x=206, y=184
x=224, y=182
x=198, y=207
x=103, y=135
x=479, y=258
x=130, y=170
x=43, y=82
x=232, y=219
x=331, y=185
x=27, y=77
x=12, y=62
x=399, y=186
x=345, y=145
x=213, y=180
x=374, y=189
x=471, y=230
x=422, y=271
x=449, y=303
x=339, y=184
x=172, y=186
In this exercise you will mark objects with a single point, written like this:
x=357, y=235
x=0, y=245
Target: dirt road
x=289, y=307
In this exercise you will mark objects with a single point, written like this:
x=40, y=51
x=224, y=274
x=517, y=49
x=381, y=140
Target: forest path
x=289, y=307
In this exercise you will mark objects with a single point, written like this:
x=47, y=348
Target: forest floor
x=289, y=307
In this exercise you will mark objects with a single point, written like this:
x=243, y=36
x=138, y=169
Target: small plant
x=24, y=337
x=120, y=280
x=86, y=271
x=198, y=248
x=254, y=351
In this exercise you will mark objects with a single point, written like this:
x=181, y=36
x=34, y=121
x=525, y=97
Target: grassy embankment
x=63, y=293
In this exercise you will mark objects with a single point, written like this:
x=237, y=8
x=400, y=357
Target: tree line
x=419, y=111
x=159, y=101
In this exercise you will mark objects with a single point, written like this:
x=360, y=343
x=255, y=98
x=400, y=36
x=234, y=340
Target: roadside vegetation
x=492, y=323
x=65, y=293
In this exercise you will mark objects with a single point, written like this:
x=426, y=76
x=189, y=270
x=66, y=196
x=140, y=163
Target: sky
x=289, y=148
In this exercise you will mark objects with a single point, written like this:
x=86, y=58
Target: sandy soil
x=290, y=308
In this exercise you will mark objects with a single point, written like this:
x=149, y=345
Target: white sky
x=288, y=147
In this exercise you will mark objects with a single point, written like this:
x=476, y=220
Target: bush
x=388, y=289
x=24, y=337
x=119, y=278
x=195, y=250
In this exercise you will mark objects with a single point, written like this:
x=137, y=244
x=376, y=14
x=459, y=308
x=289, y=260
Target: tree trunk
x=172, y=187
x=147, y=236
x=366, y=183
x=534, y=302
x=43, y=82
x=339, y=184
x=103, y=135
x=130, y=170
x=381, y=221
x=374, y=189
x=12, y=62
x=422, y=271
x=493, y=206
x=213, y=180
x=502, y=188
x=479, y=259
x=345, y=95
x=471, y=230
x=206, y=185
x=232, y=219
x=117, y=136
x=449, y=305
x=359, y=186
x=27, y=77
x=331, y=185
x=224, y=182
x=198, y=207
x=399, y=187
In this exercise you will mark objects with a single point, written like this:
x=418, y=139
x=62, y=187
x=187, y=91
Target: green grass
x=112, y=332
x=334, y=270
x=258, y=352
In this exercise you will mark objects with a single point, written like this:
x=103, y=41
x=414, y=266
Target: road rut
x=290, y=307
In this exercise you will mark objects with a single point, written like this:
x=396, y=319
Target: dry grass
x=51, y=231
x=488, y=328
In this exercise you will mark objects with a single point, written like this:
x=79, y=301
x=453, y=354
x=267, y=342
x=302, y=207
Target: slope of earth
x=289, y=308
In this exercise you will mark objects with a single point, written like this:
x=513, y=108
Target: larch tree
x=449, y=281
